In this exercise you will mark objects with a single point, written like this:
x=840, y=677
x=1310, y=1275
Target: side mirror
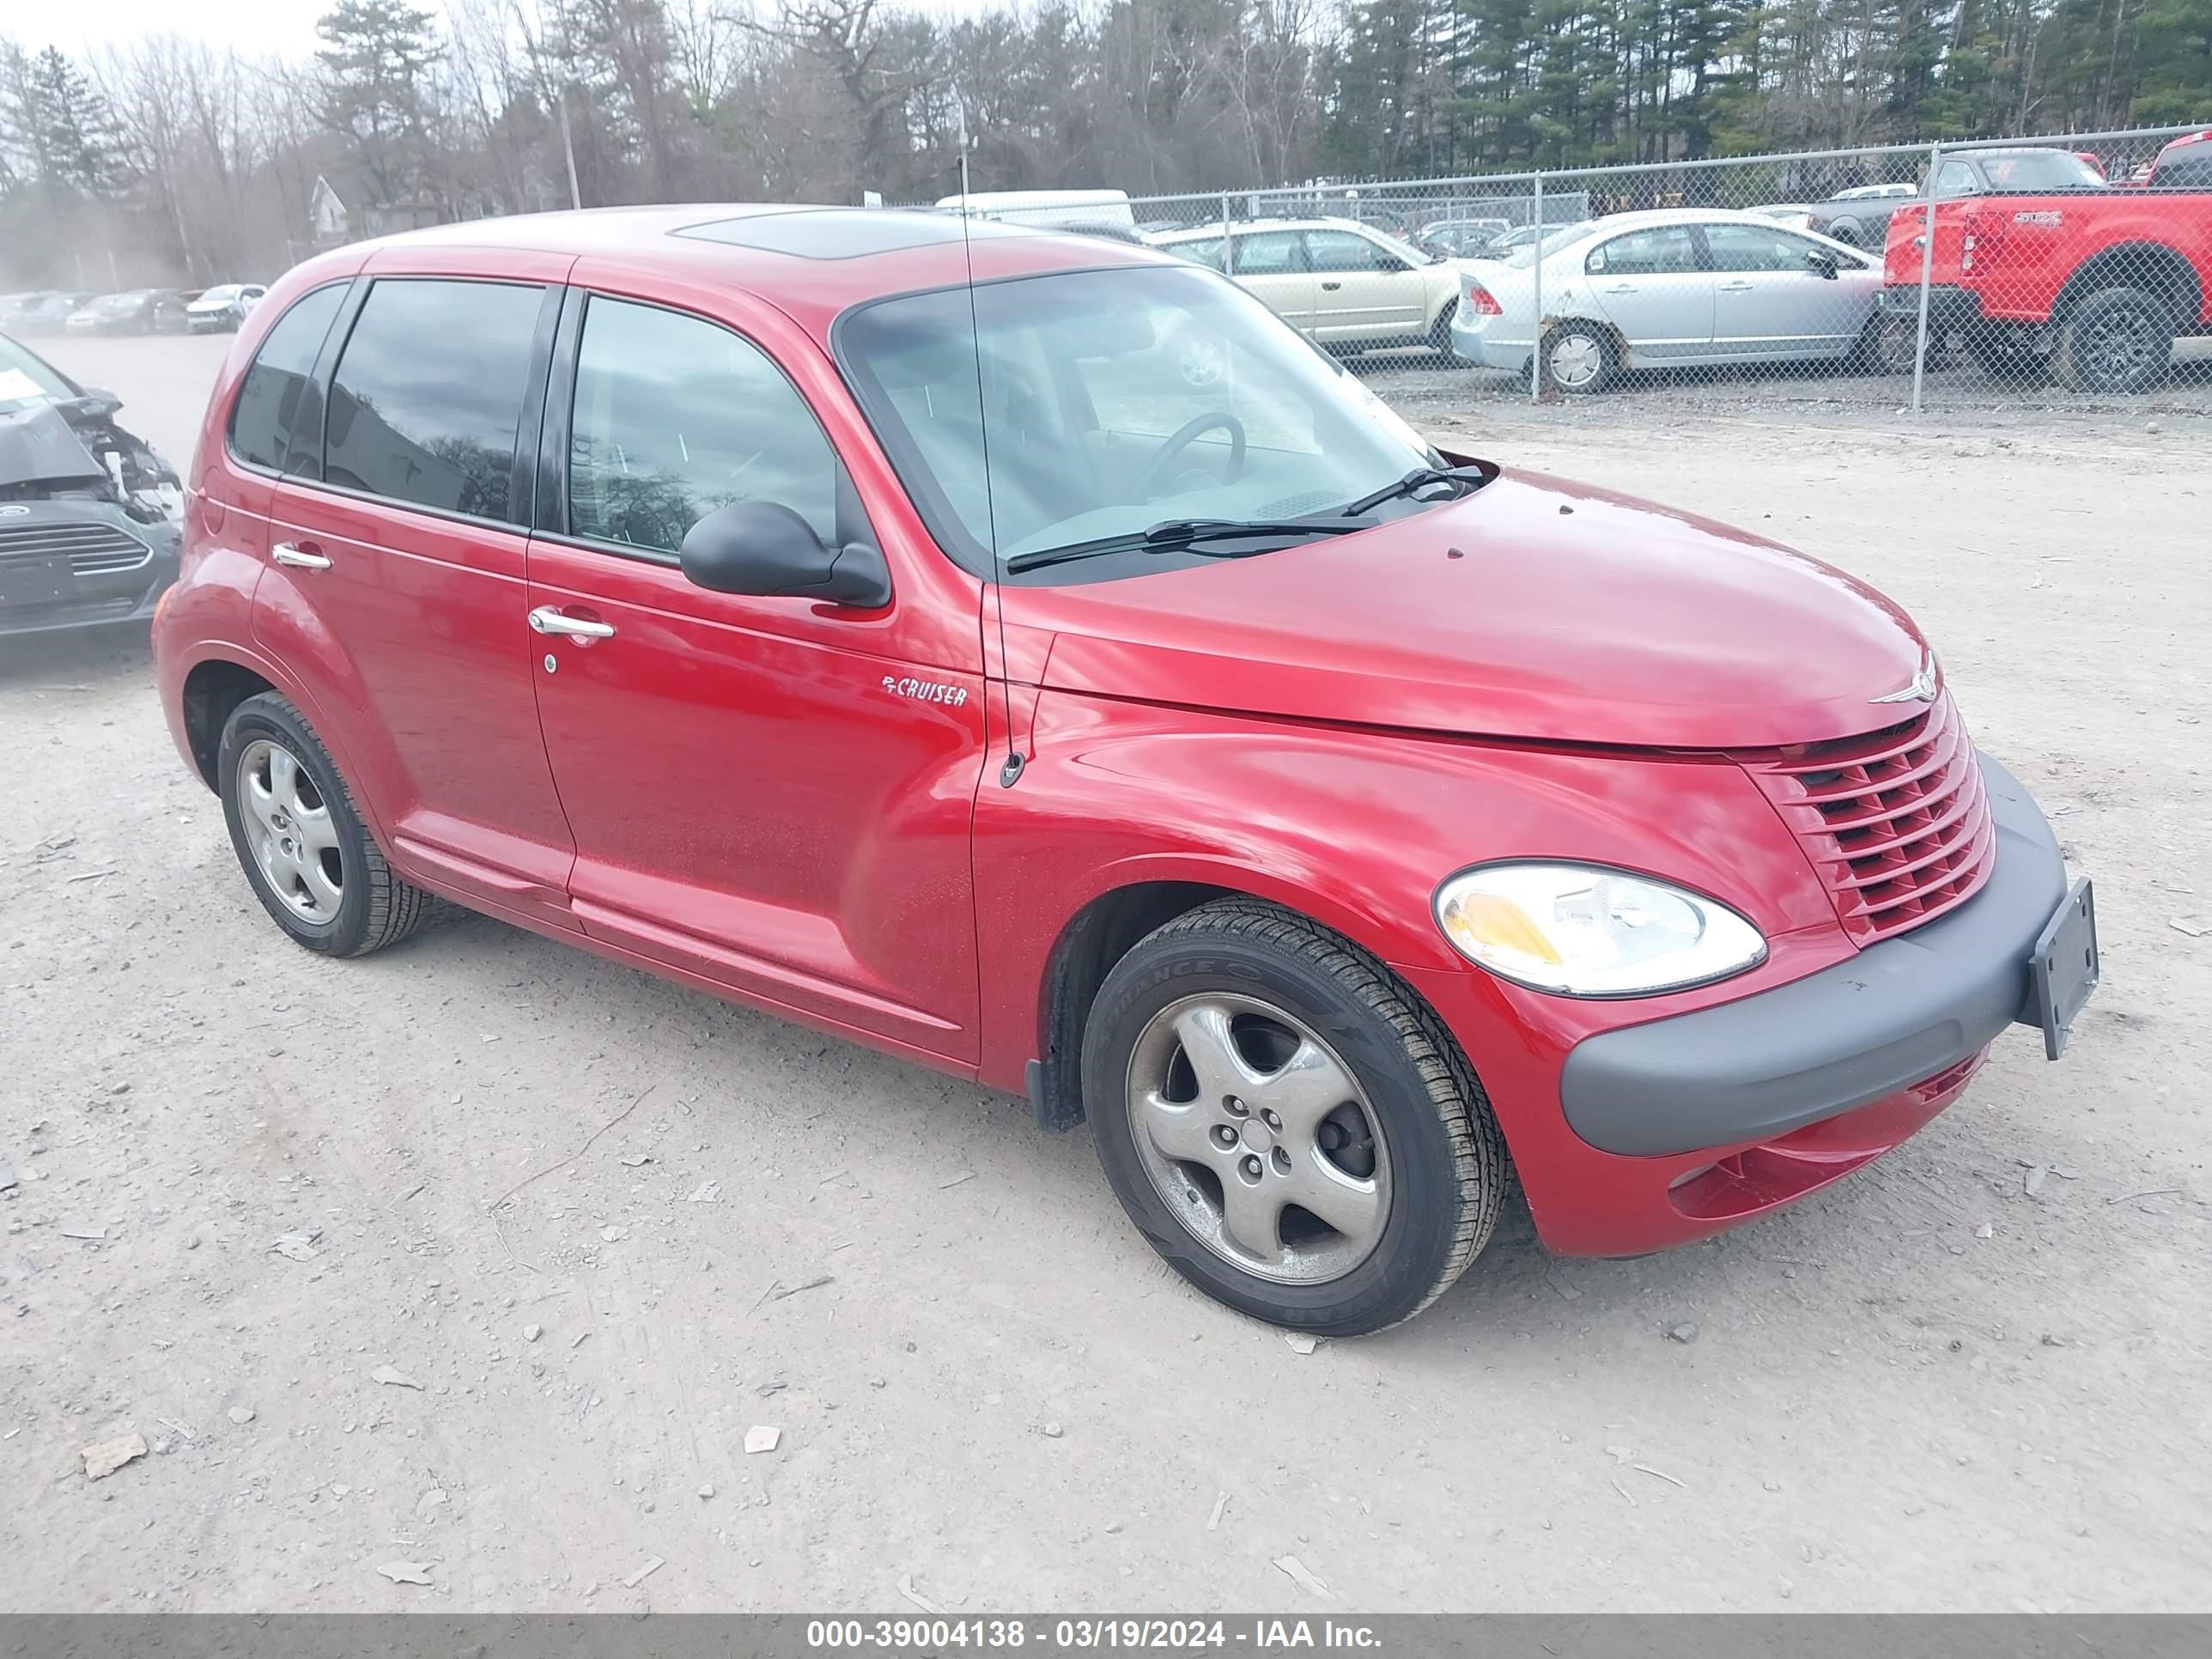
x=1823, y=264
x=764, y=548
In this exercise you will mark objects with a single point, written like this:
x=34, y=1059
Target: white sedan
x=1670, y=287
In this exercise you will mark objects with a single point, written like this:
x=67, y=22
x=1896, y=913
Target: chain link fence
x=2061, y=271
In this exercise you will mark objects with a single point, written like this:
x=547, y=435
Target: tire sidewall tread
x=379, y=909
x=1448, y=1165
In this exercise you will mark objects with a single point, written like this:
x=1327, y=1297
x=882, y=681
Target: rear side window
x=428, y=396
x=675, y=416
x=1663, y=250
x=2186, y=172
x=265, y=418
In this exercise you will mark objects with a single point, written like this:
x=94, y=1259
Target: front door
x=397, y=568
x=768, y=794
x=1654, y=290
x=1363, y=292
x=1770, y=300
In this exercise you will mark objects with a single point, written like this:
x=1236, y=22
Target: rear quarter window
x=266, y=425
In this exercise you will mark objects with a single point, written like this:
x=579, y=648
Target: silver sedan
x=1670, y=287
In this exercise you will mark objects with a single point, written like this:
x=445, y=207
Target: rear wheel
x=1295, y=1134
x=1579, y=358
x=2117, y=339
x=306, y=853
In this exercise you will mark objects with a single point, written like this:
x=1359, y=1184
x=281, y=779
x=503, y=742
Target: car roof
x=1246, y=227
x=812, y=261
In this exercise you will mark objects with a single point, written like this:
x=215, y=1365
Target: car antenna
x=1010, y=769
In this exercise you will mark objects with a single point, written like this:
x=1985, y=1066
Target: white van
x=1092, y=210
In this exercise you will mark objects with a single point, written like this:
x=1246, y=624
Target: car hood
x=1534, y=608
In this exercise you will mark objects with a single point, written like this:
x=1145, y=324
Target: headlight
x=1590, y=932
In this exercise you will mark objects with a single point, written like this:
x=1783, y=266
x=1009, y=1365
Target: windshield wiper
x=1174, y=533
x=1419, y=478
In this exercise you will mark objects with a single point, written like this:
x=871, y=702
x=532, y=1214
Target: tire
x=1416, y=1172
x=1440, y=340
x=2114, y=340
x=300, y=838
x=1867, y=353
x=1585, y=353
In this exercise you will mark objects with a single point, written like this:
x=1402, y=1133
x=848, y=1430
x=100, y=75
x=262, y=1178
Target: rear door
x=397, y=548
x=1652, y=286
x=1362, y=290
x=1772, y=300
x=1271, y=264
x=770, y=794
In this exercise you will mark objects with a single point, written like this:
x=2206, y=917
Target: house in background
x=332, y=222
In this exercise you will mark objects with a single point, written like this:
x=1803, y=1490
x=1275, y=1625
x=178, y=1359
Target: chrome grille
x=1897, y=822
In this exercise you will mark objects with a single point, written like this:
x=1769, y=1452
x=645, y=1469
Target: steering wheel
x=1156, y=470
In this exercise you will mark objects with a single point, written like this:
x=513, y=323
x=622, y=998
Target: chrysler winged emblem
x=1921, y=688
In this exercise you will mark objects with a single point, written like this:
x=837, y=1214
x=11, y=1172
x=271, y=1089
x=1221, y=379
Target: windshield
x=25, y=380
x=114, y=304
x=1527, y=254
x=228, y=291
x=2039, y=169
x=1111, y=401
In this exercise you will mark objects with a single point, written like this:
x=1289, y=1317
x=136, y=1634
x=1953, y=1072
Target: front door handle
x=1735, y=288
x=1331, y=288
x=549, y=619
x=304, y=555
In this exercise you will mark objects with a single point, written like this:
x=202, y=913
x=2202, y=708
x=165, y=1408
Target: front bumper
x=42, y=592
x=1644, y=1136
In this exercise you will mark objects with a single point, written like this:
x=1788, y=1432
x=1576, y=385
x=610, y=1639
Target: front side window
x=1956, y=180
x=1744, y=247
x=427, y=400
x=1089, y=404
x=267, y=427
x=676, y=416
x=1662, y=251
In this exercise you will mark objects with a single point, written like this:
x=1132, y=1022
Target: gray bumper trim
x=1895, y=1013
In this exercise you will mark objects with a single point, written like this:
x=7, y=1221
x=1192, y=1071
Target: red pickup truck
x=2079, y=280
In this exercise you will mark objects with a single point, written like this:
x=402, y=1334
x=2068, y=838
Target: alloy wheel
x=1259, y=1138
x=288, y=828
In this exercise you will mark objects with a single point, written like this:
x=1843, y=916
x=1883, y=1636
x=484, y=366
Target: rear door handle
x=304, y=555
x=549, y=619
x=1622, y=288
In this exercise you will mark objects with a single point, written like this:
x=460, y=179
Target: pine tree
x=377, y=59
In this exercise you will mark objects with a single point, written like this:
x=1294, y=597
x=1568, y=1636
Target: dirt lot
x=1953, y=1382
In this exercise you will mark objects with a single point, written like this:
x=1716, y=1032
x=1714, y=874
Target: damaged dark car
x=89, y=514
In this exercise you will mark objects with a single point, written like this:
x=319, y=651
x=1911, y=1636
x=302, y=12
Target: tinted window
x=1663, y=250
x=428, y=396
x=675, y=416
x=263, y=419
x=2188, y=172
x=1340, y=250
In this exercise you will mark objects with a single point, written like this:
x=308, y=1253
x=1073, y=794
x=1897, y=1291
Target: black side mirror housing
x=1823, y=264
x=765, y=548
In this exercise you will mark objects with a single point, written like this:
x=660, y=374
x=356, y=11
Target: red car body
x=807, y=806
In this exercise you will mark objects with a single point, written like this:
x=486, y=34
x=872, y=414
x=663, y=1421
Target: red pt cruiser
x=895, y=631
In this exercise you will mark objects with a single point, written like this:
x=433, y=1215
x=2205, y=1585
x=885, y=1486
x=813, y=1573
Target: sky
x=254, y=28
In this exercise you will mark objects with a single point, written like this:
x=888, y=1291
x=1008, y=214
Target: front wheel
x=2117, y=339
x=1294, y=1133
x=306, y=853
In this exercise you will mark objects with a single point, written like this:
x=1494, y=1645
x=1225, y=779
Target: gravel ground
x=1973, y=1377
